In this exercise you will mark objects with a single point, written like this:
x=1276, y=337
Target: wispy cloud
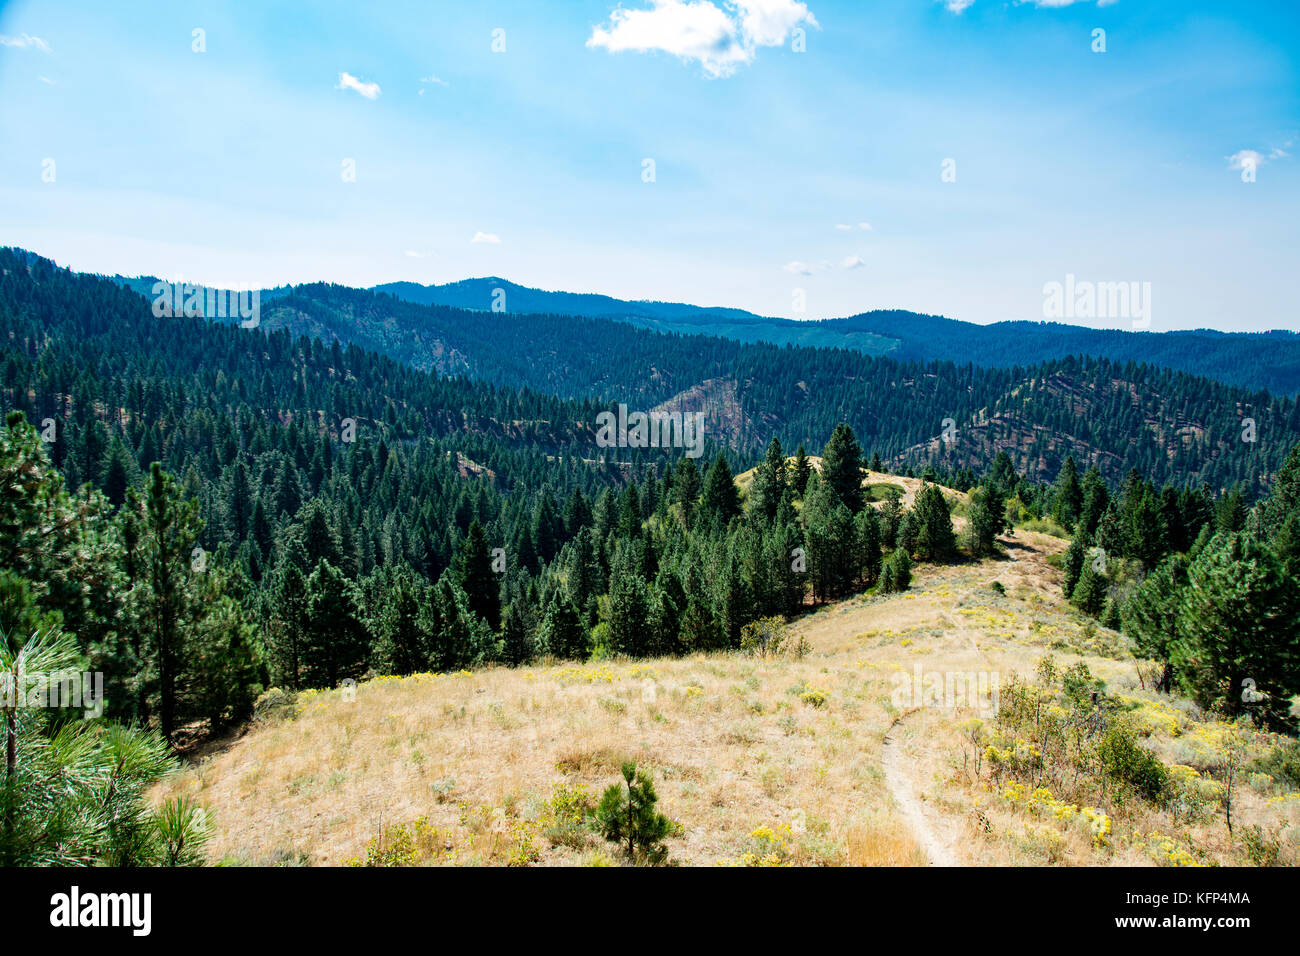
x=432, y=80
x=25, y=41
x=845, y=227
x=721, y=40
x=957, y=6
x=852, y=262
x=489, y=237
x=349, y=82
x=798, y=268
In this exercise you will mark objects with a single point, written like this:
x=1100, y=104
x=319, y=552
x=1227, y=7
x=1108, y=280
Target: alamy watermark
x=977, y=690
x=79, y=690
x=651, y=430
x=173, y=299
x=1084, y=299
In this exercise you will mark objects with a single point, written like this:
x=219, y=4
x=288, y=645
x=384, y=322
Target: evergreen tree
x=334, y=640
x=401, y=644
x=769, y=483
x=842, y=467
x=1067, y=498
x=474, y=576
x=986, y=519
x=562, y=633
x=935, y=540
x=800, y=473
x=686, y=489
x=164, y=532
x=1089, y=594
x=630, y=820
x=1238, y=647
x=721, y=501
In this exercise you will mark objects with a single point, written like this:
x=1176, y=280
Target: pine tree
x=516, y=643
x=474, y=576
x=842, y=467
x=562, y=634
x=1238, y=647
x=164, y=531
x=401, y=644
x=800, y=473
x=720, y=502
x=630, y=819
x=1096, y=498
x=769, y=483
x=288, y=624
x=1067, y=498
x=986, y=519
x=935, y=540
x=629, y=513
x=334, y=639
x=1089, y=594
x=867, y=528
x=1075, y=556
x=686, y=489
x=629, y=605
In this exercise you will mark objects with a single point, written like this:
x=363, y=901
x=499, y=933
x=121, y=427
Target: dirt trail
x=928, y=833
x=930, y=830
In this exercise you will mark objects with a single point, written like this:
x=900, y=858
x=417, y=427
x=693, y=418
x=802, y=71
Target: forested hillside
x=1119, y=416
x=1267, y=360
x=201, y=512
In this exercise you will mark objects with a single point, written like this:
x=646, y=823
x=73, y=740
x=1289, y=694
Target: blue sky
x=226, y=166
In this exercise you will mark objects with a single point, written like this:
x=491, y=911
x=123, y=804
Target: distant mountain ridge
x=1117, y=415
x=1253, y=360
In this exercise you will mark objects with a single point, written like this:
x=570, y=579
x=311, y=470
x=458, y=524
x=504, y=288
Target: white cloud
x=769, y=22
x=852, y=262
x=24, y=41
x=437, y=81
x=957, y=6
x=46, y=80
x=866, y=226
x=412, y=254
x=349, y=82
x=721, y=40
x=843, y=226
x=798, y=268
x=1245, y=159
x=490, y=237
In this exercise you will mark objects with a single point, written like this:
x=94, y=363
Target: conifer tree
x=769, y=483
x=1067, y=498
x=800, y=473
x=474, y=576
x=1238, y=646
x=935, y=539
x=562, y=634
x=842, y=467
x=721, y=501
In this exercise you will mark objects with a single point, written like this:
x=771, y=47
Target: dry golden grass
x=730, y=742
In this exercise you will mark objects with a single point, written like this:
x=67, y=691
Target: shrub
x=1124, y=759
x=627, y=816
x=1282, y=764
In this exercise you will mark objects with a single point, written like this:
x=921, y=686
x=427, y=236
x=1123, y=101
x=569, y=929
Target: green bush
x=627, y=816
x=1125, y=760
x=1282, y=763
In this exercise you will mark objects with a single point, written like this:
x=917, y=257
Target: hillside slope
x=743, y=755
x=1267, y=360
x=1117, y=416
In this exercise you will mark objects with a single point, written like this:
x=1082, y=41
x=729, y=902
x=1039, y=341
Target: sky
x=806, y=160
